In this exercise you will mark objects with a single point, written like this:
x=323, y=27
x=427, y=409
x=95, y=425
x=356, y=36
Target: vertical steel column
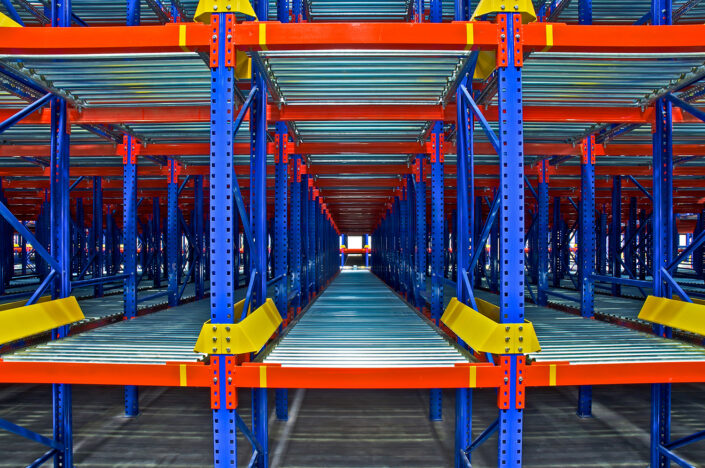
x=630, y=250
x=281, y=237
x=464, y=213
x=221, y=234
x=586, y=229
x=511, y=226
x=295, y=232
x=601, y=244
x=342, y=252
x=61, y=248
x=157, y=240
x=129, y=152
x=367, y=250
x=133, y=12
x=173, y=244
x=663, y=229
x=556, y=242
x=542, y=229
x=258, y=174
x=198, y=266
x=585, y=11
x=98, y=233
x=616, y=233
x=404, y=251
x=437, y=243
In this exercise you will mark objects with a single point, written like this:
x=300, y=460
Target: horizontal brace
x=625, y=281
x=686, y=440
x=31, y=435
x=101, y=280
x=692, y=110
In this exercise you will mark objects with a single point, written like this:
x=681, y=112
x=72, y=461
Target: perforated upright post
x=60, y=217
x=198, y=267
x=98, y=233
x=173, y=246
x=129, y=152
x=511, y=225
x=663, y=241
x=281, y=238
x=258, y=174
x=437, y=243
x=616, y=234
x=464, y=220
x=221, y=234
x=542, y=228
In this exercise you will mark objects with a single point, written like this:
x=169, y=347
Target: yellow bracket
x=673, y=313
x=206, y=8
x=15, y=304
x=24, y=321
x=486, y=63
x=7, y=22
x=243, y=65
x=247, y=336
x=483, y=332
x=525, y=7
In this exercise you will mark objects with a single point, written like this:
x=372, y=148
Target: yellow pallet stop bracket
x=15, y=304
x=482, y=331
x=22, y=322
x=247, y=336
x=7, y=22
x=206, y=8
x=525, y=7
x=673, y=313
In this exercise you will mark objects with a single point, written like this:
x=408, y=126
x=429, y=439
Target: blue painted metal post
x=221, y=210
x=342, y=253
x=542, y=229
x=198, y=266
x=601, y=244
x=556, y=243
x=295, y=233
x=129, y=152
x=663, y=229
x=98, y=262
x=437, y=243
x=281, y=237
x=172, y=242
x=511, y=227
x=464, y=219
x=367, y=250
x=61, y=250
x=586, y=252
x=258, y=174
x=157, y=240
x=616, y=233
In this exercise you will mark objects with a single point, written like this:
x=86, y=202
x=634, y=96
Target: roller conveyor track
x=570, y=338
x=359, y=322
x=158, y=338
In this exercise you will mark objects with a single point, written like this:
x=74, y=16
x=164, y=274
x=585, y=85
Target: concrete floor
x=344, y=428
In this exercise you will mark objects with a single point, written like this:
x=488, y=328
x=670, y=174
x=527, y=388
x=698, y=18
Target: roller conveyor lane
x=358, y=322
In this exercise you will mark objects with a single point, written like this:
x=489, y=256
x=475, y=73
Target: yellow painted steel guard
x=247, y=336
x=483, y=332
x=24, y=321
x=675, y=314
x=207, y=7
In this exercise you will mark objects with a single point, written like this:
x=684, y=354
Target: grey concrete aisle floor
x=348, y=428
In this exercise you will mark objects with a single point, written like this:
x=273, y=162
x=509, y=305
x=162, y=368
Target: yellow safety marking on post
x=263, y=376
x=182, y=375
x=473, y=376
x=25, y=321
x=182, y=38
x=676, y=314
x=470, y=36
x=549, y=38
x=263, y=36
x=552, y=375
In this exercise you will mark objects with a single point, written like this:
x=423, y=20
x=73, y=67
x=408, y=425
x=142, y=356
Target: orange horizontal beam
x=196, y=375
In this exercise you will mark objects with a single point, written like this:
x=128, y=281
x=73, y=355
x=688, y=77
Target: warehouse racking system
x=438, y=130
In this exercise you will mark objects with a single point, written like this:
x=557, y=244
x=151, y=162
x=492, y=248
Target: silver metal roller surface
x=158, y=338
x=359, y=322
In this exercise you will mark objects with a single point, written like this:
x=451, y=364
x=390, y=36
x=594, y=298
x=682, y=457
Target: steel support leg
x=198, y=265
x=281, y=247
x=437, y=242
x=542, y=233
x=173, y=242
x=511, y=227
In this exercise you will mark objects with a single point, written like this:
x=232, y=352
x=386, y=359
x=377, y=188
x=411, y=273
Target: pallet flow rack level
x=369, y=155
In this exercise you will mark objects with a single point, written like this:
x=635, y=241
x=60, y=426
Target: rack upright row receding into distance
x=484, y=151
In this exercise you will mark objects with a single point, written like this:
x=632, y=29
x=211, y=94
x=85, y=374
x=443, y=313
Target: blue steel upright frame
x=129, y=228
x=221, y=235
x=511, y=226
x=281, y=237
x=662, y=244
